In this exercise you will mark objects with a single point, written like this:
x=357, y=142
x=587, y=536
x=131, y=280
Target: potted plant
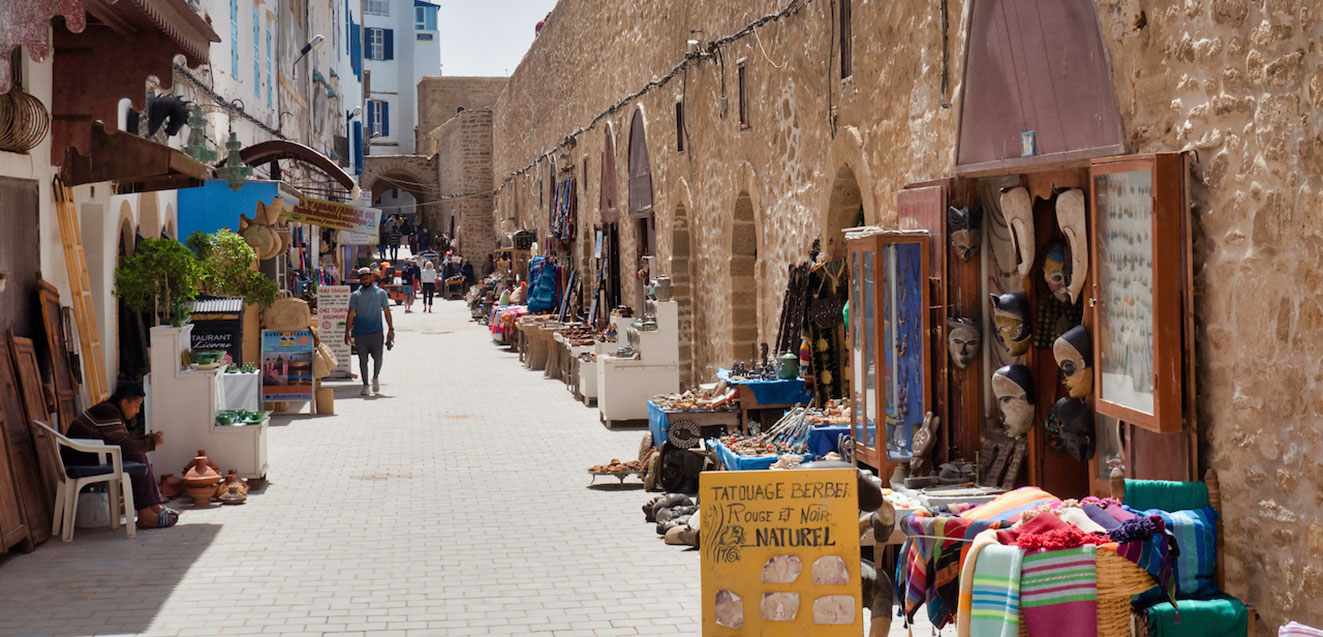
x=228, y=268
x=161, y=276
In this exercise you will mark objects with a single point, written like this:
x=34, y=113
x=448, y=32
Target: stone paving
x=456, y=503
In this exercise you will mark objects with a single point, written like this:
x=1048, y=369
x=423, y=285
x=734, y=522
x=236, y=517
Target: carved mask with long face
x=963, y=340
x=1056, y=272
x=1013, y=387
x=1074, y=353
x=1017, y=206
x=1010, y=317
x=1070, y=218
x=965, y=227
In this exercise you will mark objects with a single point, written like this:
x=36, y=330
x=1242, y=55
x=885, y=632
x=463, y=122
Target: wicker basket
x=1118, y=579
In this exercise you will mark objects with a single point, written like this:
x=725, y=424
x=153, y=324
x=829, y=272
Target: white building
x=400, y=47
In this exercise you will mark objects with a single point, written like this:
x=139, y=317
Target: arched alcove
x=640, y=196
x=845, y=209
x=149, y=217
x=743, y=290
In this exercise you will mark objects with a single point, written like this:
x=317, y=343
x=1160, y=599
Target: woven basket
x=1118, y=579
x=288, y=314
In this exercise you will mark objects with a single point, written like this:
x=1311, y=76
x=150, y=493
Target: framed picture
x=1140, y=257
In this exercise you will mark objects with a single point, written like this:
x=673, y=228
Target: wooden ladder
x=80, y=289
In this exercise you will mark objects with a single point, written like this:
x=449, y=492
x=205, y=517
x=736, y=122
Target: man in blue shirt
x=366, y=307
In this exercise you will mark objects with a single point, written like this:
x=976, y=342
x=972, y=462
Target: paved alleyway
x=457, y=504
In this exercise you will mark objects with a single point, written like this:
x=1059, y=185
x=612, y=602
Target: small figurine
x=965, y=227
x=1013, y=386
x=963, y=340
x=1011, y=318
x=1074, y=353
x=925, y=438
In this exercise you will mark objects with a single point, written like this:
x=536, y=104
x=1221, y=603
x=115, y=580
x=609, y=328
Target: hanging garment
x=824, y=323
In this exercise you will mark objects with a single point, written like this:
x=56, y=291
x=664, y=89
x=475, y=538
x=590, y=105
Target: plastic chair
x=70, y=480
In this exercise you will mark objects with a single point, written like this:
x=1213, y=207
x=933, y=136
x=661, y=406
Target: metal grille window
x=377, y=7
x=420, y=18
x=679, y=127
x=744, y=103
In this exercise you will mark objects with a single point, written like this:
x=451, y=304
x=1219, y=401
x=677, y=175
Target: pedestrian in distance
x=429, y=285
x=409, y=283
x=367, y=305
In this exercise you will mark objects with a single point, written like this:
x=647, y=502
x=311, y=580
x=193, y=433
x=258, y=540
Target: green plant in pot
x=228, y=268
x=161, y=277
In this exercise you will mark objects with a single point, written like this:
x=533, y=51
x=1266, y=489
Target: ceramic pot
x=789, y=366
x=201, y=478
x=233, y=494
x=664, y=288
x=170, y=486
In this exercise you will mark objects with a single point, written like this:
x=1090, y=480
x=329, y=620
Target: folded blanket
x=1080, y=519
x=930, y=570
x=1059, y=592
x=1100, y=517
x=965, y=604
x=1008, y=506
x=1156, y=554
x=995, y=595
x=1038, y=524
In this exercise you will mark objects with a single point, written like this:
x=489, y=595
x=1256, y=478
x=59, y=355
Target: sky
x=487, y=37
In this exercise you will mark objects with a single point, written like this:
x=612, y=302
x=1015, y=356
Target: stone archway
x=845, y=209
x=412, y=174
x=743, y=290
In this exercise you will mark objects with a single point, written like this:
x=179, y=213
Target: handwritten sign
x=332, y=316
x=780, y=552
x=286, y=365
x=338, y=216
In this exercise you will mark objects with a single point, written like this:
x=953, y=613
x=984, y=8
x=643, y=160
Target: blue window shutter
x=356, y=49
x=371, y=115
x=431, y=19
x=269, y=67
x=385, y=117
x=357, y=141
x=257, y=54
x=234, y=38
x=390, y=44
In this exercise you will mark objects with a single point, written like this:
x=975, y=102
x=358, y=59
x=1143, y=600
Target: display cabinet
x=1140, y=304
x=891, y=385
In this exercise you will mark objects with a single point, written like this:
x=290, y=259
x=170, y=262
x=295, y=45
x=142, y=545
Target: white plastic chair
x=111, y=471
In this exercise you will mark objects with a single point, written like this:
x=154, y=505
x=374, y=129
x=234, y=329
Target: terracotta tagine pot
x=170, y=486
x=200, y=479
x=233, y=490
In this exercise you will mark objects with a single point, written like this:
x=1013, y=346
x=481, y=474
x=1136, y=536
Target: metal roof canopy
x=276, y=149
x=1037, y=67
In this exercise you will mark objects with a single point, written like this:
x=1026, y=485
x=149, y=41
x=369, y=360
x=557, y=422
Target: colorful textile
x=828, y=282
x=1008, y=506
x=1100, y=517
x=1195, y=532
x=1218, y=616
x=929, y=569
x=1059, y=592
x=1166, y=495
x=965, y=602
x=994, y=597
x=1036, y=525
x=1060, y=539
x=1296, y=629
x=1155, y=555
x=544, y=294
x=1081, y=520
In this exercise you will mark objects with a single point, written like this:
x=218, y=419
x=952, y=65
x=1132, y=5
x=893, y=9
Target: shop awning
x=124, y=43
x=272, y=150
x=1038, y=88
x=136, y=164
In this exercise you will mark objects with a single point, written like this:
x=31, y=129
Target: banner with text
x=332, y=316
x=780, y=553
x=286, y=365
x=338, y=216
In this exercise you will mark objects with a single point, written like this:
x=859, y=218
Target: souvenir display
x=1056, y=272
x=1074, y=354
x=965, y=226
x=824, y=322
x=964, y=341
x=925, y=438
x=1010, y=317
x=1070, y=218
x=1125, y=289
x=1013, y=386
x=1018, y=208
x=1070, y=429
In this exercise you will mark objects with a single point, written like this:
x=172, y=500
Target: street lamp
x=312, y=45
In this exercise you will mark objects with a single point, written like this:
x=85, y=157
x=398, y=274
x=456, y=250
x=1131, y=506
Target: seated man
x=105, y=421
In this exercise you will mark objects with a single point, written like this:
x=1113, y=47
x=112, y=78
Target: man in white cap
x=366, y=307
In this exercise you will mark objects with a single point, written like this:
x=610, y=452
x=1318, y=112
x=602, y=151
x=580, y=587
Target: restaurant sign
x=338, y=216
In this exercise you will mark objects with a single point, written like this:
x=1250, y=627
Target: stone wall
x=465, y=177
x=414, y=174
x=1240, y=82
x=439, y=97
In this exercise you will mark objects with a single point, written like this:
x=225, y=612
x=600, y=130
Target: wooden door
x=66, y=386
x=17, y=402
x=13, y=528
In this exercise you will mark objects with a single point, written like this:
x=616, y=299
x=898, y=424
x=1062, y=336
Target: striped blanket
x=1059, y=592
x=994, y=602
x=1008, y=506
x=929, y=568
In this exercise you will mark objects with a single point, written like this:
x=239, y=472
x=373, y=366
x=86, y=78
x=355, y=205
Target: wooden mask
x=1074, y=353
x=965, y=227
x=1017, y=206
x=1070, y=218
x=1013, y=387
x=963, y=341
x=1056, y=272
x=1072, y=424
x=1010, y=317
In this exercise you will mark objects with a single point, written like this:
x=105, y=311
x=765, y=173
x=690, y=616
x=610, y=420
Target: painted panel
x=214, y=206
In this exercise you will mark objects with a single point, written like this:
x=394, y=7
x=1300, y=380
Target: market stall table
x=659, y=421
x=735, y=462
x=822, y=438
x=767, y=395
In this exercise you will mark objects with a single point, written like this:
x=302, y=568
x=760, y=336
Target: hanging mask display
x=1056, y=272
x=1074, y=354
x=965, y=227
x=1070, y=218
x=1070, y=429
x=1010, y=317
x=1018, y=208
x=1013, y=387
x=963, y=340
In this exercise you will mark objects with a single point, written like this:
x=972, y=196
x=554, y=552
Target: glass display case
x=891, y=388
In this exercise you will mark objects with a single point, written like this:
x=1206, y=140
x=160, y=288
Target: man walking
x=366, y=306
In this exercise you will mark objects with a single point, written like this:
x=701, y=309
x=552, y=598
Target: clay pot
x=233, y=494
x=170, y=486
x=200, y=479
x=664, y=289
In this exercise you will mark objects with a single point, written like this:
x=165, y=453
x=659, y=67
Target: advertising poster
x=338, y=216
x=286, y=365
x=332, y=316
x=780, y=553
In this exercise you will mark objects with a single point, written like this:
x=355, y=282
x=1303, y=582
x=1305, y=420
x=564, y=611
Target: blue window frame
x=270, y=69
x=257, y=53
x=234, y=38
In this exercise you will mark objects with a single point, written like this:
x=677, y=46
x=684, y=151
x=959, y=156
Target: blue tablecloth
x=773, y=392
x=822, y=440
x=736, y=462
x=659, y=422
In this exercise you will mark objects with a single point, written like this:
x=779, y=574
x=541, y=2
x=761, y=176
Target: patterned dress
x=831, y=363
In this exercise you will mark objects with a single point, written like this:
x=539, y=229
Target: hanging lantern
x=197, y=147
x=234, y=171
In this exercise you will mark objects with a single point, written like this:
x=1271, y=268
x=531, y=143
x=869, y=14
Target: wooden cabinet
x=34, y=499
x=891, y=383
x=13, y=529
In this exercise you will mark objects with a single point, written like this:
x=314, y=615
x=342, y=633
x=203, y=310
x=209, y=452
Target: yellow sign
x=780, y=552
x=338, y=216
